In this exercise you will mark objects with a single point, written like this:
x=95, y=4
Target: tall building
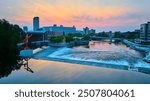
x=86, y=30
x=145, y=32
x=36, y=24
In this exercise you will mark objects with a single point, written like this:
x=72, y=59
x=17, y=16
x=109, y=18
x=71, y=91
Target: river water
x=103, y=52
x=96, y=53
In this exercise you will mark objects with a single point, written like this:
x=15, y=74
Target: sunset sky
x=103, y=15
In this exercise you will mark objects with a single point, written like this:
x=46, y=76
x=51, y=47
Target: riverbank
x=136, y=46
x=52, y=72
x=139, y=48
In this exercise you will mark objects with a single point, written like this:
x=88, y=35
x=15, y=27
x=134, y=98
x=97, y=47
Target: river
x=117, y=55
x=70, y=65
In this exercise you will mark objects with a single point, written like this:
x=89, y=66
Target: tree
x=86, y=36
x=69, y=38
x=118, y=35
x=10, y=35
x=102, y=34
x=132, y=35
x=57, y=39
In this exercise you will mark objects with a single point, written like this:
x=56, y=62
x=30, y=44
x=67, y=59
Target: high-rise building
x=145, y=32
x=36, y=23
x=86, y=30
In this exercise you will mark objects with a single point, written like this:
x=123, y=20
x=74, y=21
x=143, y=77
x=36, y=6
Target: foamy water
x=124, y=58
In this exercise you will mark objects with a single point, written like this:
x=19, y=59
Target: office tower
x=86, y=30
x=36, y=24
x=145, y=32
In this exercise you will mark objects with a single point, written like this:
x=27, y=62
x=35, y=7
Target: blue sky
x=103, y=15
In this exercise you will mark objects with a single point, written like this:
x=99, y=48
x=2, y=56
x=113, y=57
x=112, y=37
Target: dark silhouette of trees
x=10, y=35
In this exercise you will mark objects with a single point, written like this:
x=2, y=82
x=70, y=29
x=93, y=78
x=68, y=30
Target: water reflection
x=26, y=65
x=101, y=45
x=6, y=69
x=50, y=72
x=105, y=51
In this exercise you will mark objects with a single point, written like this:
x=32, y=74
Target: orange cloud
x=97, y=13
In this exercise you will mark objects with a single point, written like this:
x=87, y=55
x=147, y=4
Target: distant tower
x=86, y=30
x=36, y=24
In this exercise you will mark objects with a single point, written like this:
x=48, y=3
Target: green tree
x=118, y=35
x=132, y=35
x=57, y=39
x=75, y=35
x=10, y=35
x=102, y=34
x=69, y=38
x=87, y=36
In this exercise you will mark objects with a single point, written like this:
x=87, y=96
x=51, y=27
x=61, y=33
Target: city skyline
x=102, y=15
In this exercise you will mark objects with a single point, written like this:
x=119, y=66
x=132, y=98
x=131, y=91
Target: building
x=37, y=36
x=25, y=28
x=86, y=30
x=137, y=30
x=145, y=32
x=137, y=33
x=92, y=31
x=36, y=23
x=80, y=32
x=60, y=29
x=54, y=34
